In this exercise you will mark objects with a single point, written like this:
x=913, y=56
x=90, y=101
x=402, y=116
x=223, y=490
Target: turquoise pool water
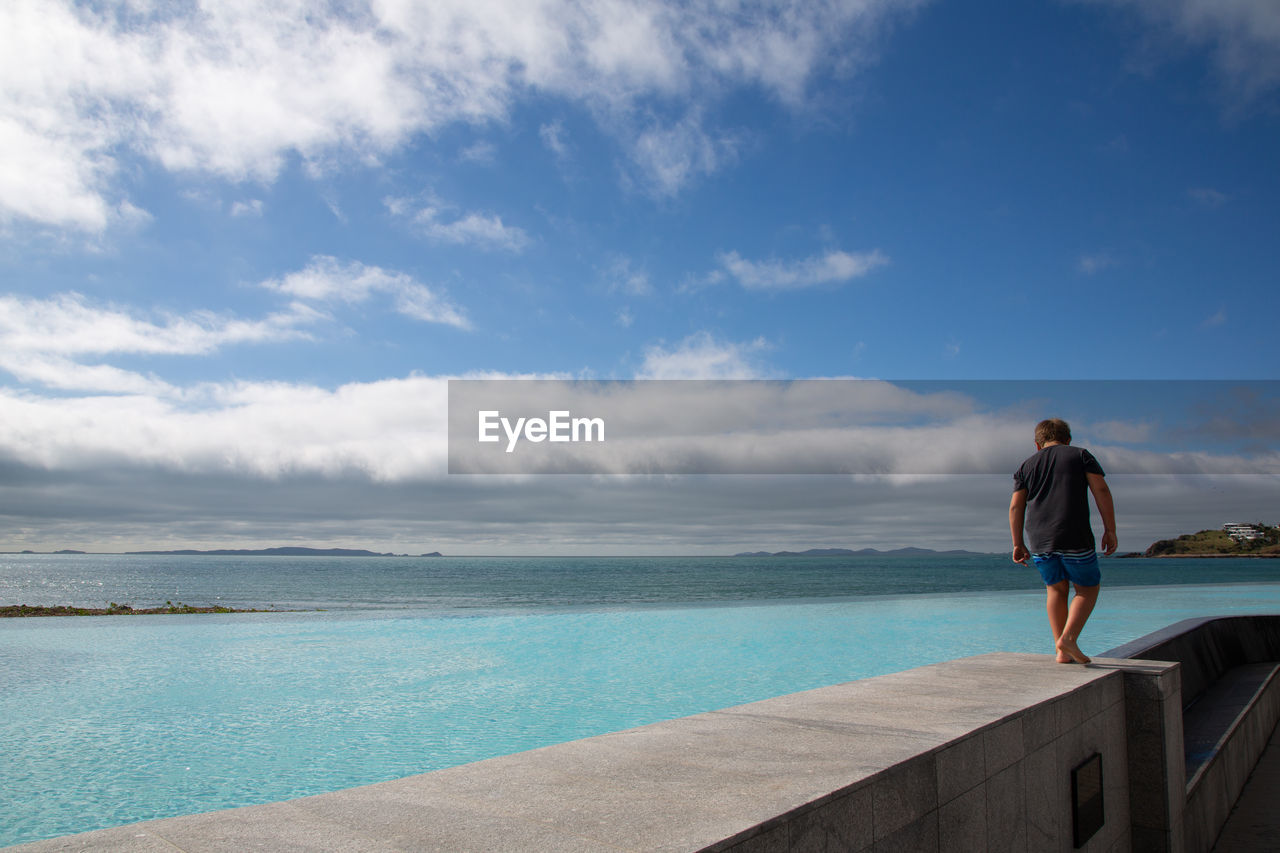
x=112, y=720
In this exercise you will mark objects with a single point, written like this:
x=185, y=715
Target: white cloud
x=701, y=356
x=68, y=324
x=49, y=341
x=832, y=267
x=670, y=157
x=1208, y=196
x=552, y=136
x=326, y=279
x=45, y=341
x=65, y=374
x=1218, y=318
x=472, y=229
x=1243, y=37
x=252, y=207
x=436, y=219
x=235, y=89
x=480, y=152
x=1124, y=432
x=384, y=430
x=1095, y=263
x=622, y=277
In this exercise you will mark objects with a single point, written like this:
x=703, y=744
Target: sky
x=244, y=246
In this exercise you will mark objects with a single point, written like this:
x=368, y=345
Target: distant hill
x=288, y=551
x=861, y=552
x=1216, y=543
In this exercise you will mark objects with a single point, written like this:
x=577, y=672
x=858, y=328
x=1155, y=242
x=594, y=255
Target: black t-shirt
x=1057, y=498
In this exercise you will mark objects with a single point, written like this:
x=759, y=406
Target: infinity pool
x=110, y=720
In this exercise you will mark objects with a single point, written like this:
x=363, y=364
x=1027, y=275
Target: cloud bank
x=236, y=90
x=1241, y=36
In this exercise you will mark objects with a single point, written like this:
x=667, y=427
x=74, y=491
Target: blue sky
x=243, y=249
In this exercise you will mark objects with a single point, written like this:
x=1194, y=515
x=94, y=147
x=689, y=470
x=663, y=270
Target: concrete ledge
x=1230, y=696
x=1208, y=647
x=1219, y=781
x=971, y=754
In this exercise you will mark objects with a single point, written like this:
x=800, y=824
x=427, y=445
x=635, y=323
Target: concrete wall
x=1215, y=788
x=1207, y=647
x=1230, y=703
x=1003, y=786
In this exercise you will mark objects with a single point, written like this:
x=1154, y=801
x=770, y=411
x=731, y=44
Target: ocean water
x=418, y=664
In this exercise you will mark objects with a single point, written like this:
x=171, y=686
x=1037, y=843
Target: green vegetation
x=113, y=609
x=1218, y=543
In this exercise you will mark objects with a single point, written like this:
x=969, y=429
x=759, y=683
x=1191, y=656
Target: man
x=1050, y=495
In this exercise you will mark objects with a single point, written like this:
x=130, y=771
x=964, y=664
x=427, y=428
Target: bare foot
x=1064, y=659
x=1067, y=646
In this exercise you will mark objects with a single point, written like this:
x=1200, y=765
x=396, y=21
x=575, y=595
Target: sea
x=368, y=669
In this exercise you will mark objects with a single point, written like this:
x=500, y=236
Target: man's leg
x=1056, y=605
x=1078, y=613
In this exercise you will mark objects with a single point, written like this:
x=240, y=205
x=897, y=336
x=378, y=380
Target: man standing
x=1051, y=496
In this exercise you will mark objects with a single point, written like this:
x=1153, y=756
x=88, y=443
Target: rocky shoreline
x=10, y=611
x=1269, y=556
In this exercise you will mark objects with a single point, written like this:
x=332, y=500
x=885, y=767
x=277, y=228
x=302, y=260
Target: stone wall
x=1229, y=704
x=1003, y=786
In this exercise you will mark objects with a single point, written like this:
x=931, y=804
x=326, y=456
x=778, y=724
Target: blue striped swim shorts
x=1079, y=567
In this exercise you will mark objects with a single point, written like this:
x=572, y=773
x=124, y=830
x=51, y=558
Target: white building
x=1243, y=532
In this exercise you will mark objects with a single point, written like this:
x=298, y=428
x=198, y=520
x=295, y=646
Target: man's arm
x=1107, y=509
x=1017, y=516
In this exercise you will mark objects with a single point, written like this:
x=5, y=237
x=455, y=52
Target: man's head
x=1052, y=431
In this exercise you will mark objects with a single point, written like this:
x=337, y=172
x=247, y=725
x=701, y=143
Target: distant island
x=12, y=611
x=862, y=552
x=1232, y=540
x=289, y=551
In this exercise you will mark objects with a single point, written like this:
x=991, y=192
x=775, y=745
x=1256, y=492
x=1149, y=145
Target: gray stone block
x=1070, y=710
x=1048, y=799
x=1211, y=803
x=1122, y=844
x=903, y=794
x=771, y=841
x=122, y=839
x=1039, y=726
x=1115, y=767
x=279, y=827
x=1112, y=690
x=1093, y=698
x=920, y=836
x=1150, y=840
x=408, y=817
x=961, y=766
x=1072, y=748
x=1007, y=811
x=962, y=823
x=1003, y=745
x=1148, y=679
x=843, y=824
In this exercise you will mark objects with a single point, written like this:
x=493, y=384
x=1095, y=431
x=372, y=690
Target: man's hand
x=1021, y=554
x=1109, y=543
